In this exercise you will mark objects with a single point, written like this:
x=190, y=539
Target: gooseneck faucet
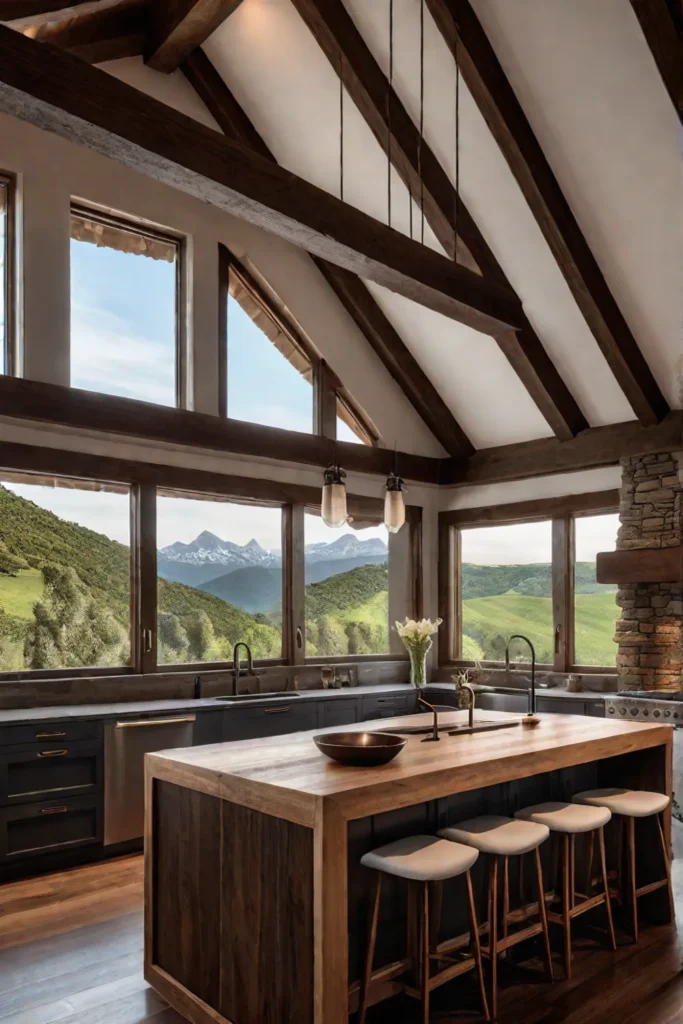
x=532, y=690
x=237, y=669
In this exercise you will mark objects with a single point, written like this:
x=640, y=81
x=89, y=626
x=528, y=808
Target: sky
x=526, y=543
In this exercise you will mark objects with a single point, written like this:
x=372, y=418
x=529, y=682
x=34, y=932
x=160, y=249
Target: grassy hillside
x=349, y=613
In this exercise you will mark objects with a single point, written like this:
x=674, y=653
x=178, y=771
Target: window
x=352, y=425
x=595, y=609
x=269, y=375
x=6, y=198
x=219, y=568
x=347, y=589
x=507, y=588
x=125, y=309
x=64, y=573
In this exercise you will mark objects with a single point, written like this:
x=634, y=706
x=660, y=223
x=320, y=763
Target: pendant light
x=333, y=504
x=394, y=505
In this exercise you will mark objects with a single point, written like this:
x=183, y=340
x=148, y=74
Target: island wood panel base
x=232, y=910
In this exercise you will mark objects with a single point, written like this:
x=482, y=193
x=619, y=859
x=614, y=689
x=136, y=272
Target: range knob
x=676, y=715
x=646, y=712
x=667, y=714
x=611, y=711
x=622, y=711
x=656, y=713
x=634, y=711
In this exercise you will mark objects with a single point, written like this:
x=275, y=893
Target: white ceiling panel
x=175, y=90
x=468, y=370
x=590, y=88
x=494, y=200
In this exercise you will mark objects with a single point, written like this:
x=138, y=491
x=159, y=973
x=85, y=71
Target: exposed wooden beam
x=640, y=565
x=88, y=410
x=349, y=288
x=177, y=27
x=62, y=94
x=666, y=45
x=592, y=448
x=496, y=99
x=418, y=166
x=11, y=10
x=107, y=33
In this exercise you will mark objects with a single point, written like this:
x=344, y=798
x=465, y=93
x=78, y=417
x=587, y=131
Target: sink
x=245, y=697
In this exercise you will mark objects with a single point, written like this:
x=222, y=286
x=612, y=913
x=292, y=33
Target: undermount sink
x=243, y=697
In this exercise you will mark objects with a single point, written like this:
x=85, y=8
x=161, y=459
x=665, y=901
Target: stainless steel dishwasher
x=125, y=744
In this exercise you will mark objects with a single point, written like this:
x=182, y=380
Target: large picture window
x=219, y=567
x=64, y=574
x=506, y=589
x=347, y=589
x=125, y=303
x=595, y=609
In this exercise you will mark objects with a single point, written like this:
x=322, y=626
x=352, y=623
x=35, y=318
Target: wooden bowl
x=361, y=749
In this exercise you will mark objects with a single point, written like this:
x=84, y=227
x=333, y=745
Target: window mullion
x=562, y=591
x=293, y=584
x=144, y=604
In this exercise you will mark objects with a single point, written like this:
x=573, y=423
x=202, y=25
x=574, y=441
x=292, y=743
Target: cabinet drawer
x=387, y=707
x=31, y=829
x=274, y=721
x=49, y=732
x=561, y=705
x=49, y=772
x=338, y=712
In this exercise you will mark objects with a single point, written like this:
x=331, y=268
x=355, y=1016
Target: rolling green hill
x=349, y=613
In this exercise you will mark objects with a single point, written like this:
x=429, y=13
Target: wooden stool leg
x=370, y=955
x=605, y=882
x=424, y=954
x=476, y=945
x=667, y=867
x=631, y=828
x=493, y=933
x=591, y=846
x=566, y=906
x=506, y=897
x=543, y=912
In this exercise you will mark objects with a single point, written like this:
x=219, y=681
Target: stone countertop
x=75, y=712
x=552, y=691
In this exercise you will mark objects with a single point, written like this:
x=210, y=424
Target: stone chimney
x=650, y=630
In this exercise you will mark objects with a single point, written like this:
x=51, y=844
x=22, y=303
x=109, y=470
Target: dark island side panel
x=233, y=906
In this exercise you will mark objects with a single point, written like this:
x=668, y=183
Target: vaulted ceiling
x=569, y=175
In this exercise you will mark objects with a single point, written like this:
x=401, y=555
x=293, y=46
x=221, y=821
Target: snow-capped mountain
x=208, y=549
x=346, y=546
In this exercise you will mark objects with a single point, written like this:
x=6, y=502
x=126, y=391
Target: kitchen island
x=255, y=902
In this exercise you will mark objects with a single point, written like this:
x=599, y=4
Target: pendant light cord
x=422, y=119
x=456, y=200
x=389, y=92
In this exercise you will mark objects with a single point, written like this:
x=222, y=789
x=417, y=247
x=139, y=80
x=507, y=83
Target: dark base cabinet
x=255, y=723
x=40, y=828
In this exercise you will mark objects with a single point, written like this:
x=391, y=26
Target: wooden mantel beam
x=58, y=92
x=665, y=43
x=349, y=289
x=640, y=565
x=491, y=90
x=419, y=168
x=177, y=27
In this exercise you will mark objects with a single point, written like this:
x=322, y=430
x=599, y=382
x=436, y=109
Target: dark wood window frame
x=330, y=398
x=562, y=513
x=8, y=283
x=164, y=236
x=143, y=479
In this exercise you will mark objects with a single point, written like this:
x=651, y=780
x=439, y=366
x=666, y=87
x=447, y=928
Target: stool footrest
x=512, y=940
x=581, y=908
x=652, y=887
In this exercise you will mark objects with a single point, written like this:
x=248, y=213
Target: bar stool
x=570, y=820
x=629, y=804
x=502, y=837
x=423, y=859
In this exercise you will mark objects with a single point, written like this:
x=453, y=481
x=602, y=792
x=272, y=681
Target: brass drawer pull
x=146, y=723
x=50, y=735
x=53, y=753
x=53, y=810
x=275, y=711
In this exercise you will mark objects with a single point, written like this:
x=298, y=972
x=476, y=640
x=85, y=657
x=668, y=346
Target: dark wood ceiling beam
x=177, y=27
x=349, y=289
x=591, y=449
x=108, y=414
x=394, y=129
x=60, y=93
x=99, y=35
x=11, y=10
x=503, y=113
x=666, y=45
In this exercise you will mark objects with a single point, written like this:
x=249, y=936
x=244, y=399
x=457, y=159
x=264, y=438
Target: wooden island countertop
x=278, y=812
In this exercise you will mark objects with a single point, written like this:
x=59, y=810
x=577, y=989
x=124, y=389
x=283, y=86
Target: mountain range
x=251, y=577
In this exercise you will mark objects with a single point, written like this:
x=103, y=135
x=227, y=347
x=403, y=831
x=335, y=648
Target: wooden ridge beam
x=419, y=168
x=109, y=414
x=60, y=93
x=666, y=45
x=99, y=35
x=592, y=448
x=177, y=27
x=349, y=289
x=503, y=113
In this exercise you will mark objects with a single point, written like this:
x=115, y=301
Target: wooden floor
x=71, y=951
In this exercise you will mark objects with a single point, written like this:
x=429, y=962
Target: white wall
x=556, y=486
x=51, y=171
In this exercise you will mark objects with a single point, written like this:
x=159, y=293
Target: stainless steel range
x=644, y=706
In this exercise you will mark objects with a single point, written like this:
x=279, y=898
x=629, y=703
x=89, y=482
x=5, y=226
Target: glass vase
x=418, y=664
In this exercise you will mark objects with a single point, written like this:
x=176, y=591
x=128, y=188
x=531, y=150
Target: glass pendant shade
x=394, y=505
x=333, y=503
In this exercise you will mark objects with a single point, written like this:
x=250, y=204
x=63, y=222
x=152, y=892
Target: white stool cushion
x=492, y=833
x=563, y=817
x=633, y=803
x=421, y=858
